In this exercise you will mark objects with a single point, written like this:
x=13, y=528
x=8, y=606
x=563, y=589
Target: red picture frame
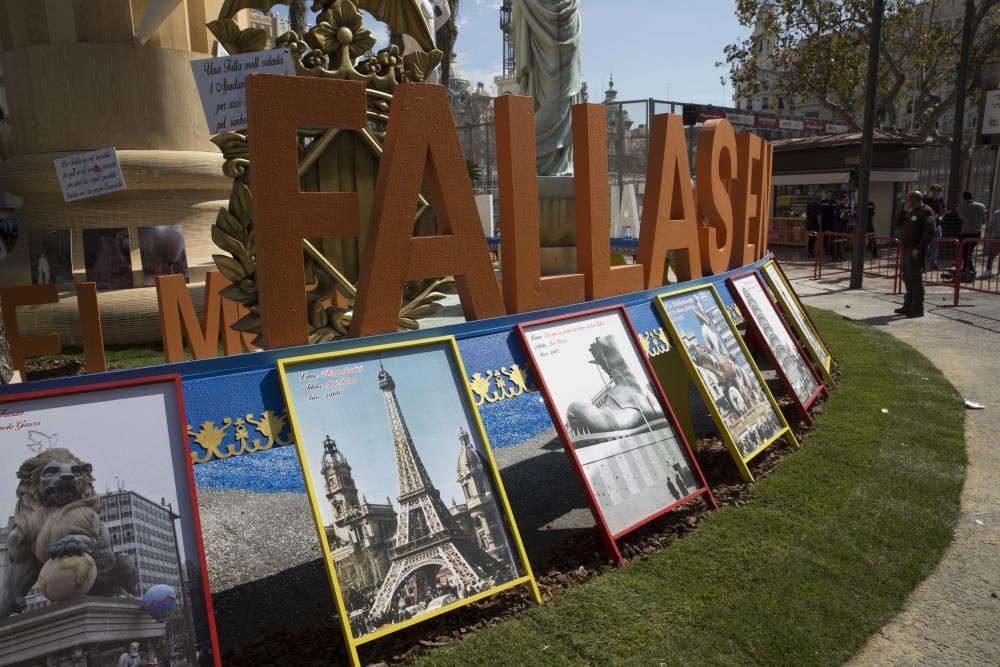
x=199, y=545
x=754, y=329
x=609, y=537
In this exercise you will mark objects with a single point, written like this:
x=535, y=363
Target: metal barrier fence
x=974, y=269
x=942, y=260
x=835, y=252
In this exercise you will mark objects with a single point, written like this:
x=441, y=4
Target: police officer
x=915, y=236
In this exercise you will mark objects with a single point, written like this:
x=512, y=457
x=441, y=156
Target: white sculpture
x=547, y=46
x=436, y=13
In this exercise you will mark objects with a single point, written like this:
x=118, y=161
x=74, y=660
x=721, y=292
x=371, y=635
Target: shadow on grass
x=824, y=553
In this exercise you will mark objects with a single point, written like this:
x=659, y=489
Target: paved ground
x=953, y=617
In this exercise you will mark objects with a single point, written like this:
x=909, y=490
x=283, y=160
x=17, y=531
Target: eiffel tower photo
x=440, y=536
x=428, y=539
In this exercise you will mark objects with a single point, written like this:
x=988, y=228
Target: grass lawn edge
x=824, y=553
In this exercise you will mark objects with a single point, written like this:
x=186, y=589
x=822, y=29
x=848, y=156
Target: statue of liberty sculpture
x=547, y=47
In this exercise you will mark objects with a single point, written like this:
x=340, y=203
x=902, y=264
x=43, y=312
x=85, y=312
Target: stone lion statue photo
x=57, y=539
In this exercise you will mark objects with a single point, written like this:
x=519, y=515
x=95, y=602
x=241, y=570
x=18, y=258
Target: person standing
x=841, y=224
x=916, y=235
x=44, y=273
x=812, y=225
x=935, y=202
x=973, y=214
x=870, y=230
x=827, y=219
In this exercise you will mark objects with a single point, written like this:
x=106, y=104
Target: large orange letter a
x=421, y=136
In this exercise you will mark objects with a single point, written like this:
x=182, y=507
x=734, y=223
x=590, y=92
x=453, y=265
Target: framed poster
x=162, y=253
x=50, y=255
x=107, y=254
x=104, y=531
x=397, y=424
x=770, y=329
x=744, y=410
x=799, y=318
x=617, y=428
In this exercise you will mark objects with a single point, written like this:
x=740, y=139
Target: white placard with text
x=89, y=174
x=221, y=84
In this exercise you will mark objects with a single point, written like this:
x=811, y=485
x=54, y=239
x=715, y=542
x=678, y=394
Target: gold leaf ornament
x=234, y=40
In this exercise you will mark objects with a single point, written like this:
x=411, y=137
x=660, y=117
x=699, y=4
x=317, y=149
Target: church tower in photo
x=479, y=501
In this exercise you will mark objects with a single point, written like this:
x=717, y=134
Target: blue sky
x=428, y=394
x=665, y=49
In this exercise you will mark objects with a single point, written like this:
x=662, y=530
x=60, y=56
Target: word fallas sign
x=713, y=223
x=717, y=224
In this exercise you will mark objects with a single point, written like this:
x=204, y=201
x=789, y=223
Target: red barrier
x=947, y=258
x=976, y=264
x=835, y=252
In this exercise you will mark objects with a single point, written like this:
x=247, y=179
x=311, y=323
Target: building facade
x=138, y=527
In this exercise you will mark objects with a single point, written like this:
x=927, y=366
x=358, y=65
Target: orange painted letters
x=593, y=216
x=716, y=168
x=524, y=288
x=421, y=139
x=283, y=216
x=669, y=216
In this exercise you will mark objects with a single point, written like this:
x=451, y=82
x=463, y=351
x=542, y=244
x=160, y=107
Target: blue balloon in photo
x=159, y=602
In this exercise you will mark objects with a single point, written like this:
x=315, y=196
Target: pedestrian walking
x=916, y=235
x=935, y=202
x=973, y=215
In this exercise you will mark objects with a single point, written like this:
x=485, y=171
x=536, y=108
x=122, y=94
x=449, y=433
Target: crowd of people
x=964, y=221
x=838, y=216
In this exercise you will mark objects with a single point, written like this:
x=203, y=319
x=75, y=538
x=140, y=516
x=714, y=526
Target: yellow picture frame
x=284, y=367
x=798, y=317
x=727, y=436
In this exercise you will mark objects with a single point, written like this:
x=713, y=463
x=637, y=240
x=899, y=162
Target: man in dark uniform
x=812, y=225
x=915, y=236
x=827, y=218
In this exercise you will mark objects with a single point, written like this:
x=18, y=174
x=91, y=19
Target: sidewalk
x=953, y=617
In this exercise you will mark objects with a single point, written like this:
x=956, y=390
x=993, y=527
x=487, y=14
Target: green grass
x=786, y=579
x=128, y=356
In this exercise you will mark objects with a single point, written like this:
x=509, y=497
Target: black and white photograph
x=788, y=355
x=8, y=236
x=50, y=254
x=399, y=475
x=161, y=250
x=725, y=370
x=107, y=255
x=99, y=558
x=790, y=306
x=612, y=415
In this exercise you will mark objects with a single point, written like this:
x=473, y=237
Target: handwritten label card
x=221, y=84
x=89, y=174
